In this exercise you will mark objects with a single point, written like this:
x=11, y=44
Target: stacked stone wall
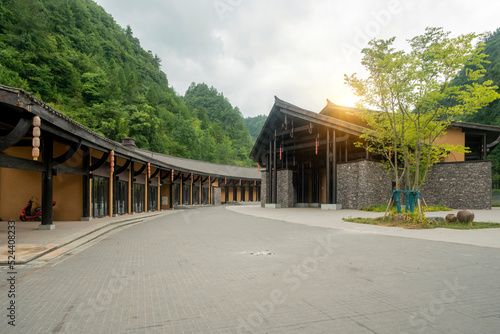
x=362, y=183
x=285, y=188
x=459, y=185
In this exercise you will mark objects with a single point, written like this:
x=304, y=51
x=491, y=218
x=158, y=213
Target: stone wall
x=285, y=188
x=263, y=189
x=362, y=183
x=217, y=195
x=459, y=185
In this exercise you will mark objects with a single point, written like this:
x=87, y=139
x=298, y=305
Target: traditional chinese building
x=46, y=156
x=310, y=159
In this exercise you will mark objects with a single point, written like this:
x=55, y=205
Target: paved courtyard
x=211, y=270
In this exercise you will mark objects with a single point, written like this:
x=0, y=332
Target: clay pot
x=465, y=216
x=451, y=218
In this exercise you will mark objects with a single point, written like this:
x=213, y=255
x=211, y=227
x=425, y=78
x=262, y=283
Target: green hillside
x=255, y=125
x=73, y=55
x=490, y=114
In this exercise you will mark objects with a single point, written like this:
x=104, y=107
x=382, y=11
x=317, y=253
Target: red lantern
x=149, y=170
x=316, y=145
x=112, y=161
x=172, y=175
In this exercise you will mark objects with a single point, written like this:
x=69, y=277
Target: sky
x=297, y=50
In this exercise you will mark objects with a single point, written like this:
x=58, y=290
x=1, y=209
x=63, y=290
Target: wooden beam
x=102, y=161
x=7, y=161
x=155, y=173
x=16, y=134
x=68, y=154
x=61, y=169
x=123, y=168
x=139, y=172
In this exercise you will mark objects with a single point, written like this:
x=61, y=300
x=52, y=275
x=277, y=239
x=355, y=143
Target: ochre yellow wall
x=453, y=136
x=18, y=186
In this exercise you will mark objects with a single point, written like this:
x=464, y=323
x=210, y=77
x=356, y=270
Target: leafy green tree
x=415, y=99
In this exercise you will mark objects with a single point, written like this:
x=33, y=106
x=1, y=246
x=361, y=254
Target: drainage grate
x=260, y=253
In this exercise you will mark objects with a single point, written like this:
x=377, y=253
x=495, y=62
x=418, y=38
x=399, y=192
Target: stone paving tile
x=193, y=272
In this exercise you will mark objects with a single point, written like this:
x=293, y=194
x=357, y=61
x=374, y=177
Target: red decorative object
x=112, y=161
x=316, y=145
x=172, y=176
x=281, y=152
x=149, y=170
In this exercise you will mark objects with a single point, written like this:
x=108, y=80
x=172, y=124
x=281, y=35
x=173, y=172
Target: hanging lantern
x=225, y=180
x=36, y=142
x=35, y=152
x=281, y=152
x=172, y=176
x=149, y=170
x=316, y=146
x=240, y=182
x=112, y=161
x=37, y=121
x=191, y=177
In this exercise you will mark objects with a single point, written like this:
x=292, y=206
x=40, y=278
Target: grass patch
x=413, y=222
x=394, y=209
x=495, y=205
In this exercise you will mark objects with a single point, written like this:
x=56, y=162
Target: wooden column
x=328, y=171
x=334, y=167
x=485, y=148
x=270, y=168
x=86, y=184
x=47, y=180
x=275, y=177
x=132, y=171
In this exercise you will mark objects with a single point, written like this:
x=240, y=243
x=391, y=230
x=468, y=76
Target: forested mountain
x=490, y=114
x=73, y=55
x=255, y=125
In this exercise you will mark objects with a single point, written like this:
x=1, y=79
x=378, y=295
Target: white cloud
x=253, y=50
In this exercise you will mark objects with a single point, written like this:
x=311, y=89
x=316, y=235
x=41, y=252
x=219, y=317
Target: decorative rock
x=465, y=216
x=451, y=218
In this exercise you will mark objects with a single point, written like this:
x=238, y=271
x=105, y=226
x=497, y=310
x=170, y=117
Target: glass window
x=100, y=197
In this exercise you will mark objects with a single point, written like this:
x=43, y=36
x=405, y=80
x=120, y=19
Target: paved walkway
x=32, y=243
x=211, y=270
x=333, y=219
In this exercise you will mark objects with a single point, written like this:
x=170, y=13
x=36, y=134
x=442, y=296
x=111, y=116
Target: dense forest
x=490, y=114
x=74, y=56
x=255, y=125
